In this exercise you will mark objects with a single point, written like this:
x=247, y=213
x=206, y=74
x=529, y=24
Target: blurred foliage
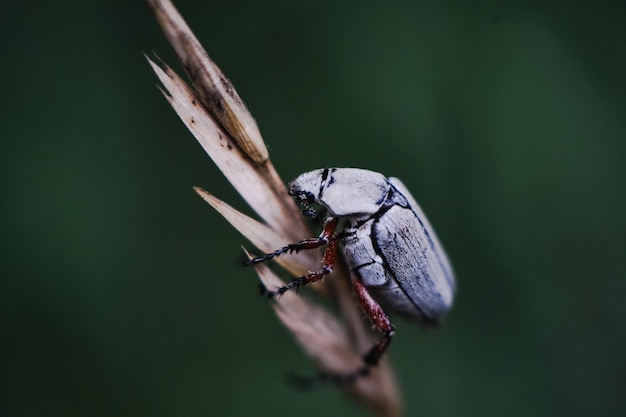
x=120, y=289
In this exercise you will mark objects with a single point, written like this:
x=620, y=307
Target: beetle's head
x=305, y=189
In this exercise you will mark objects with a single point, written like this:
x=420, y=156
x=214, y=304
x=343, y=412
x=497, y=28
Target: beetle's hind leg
x=379, y=319
x=315, y=242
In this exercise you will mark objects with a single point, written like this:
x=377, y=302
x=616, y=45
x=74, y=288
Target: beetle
x=395, y=259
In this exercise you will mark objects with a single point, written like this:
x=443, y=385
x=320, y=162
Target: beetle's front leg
x=330, y=254
x=375, y=312
x=315, y=242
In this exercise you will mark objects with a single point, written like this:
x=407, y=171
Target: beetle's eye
x=305, y=199
x=309, y=212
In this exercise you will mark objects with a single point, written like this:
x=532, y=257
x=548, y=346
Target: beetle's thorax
x=346, y=192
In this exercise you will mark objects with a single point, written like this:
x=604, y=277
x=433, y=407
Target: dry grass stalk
x=219, y=120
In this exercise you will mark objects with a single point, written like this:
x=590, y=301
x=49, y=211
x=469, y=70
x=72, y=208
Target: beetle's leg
x=330, y=254
x=375, y=312
x=315, y=242
x=378, y=317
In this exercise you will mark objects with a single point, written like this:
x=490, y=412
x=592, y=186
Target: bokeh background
x=121, y=292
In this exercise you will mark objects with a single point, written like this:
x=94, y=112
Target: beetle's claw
x=254, y=261
x=280, y=291
x=263, y=289
x=269, y=294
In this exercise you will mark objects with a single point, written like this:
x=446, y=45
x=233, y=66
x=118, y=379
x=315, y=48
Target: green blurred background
x=121, y=292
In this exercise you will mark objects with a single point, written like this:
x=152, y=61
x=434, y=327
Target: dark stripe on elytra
x=388, y=270
x=374, y=238
x=434, y=248
x=356, y=268
x=405, y=204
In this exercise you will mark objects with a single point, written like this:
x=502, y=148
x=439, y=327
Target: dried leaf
x=249, y=181
x=215, y=90
x=262, y=236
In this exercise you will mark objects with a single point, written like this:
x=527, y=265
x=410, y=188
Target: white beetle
x=393, y=253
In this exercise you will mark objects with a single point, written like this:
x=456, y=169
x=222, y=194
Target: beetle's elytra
x=395, y=258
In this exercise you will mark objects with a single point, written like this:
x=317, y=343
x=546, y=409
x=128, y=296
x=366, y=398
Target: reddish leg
x=378, y=317
x=329, y=261
x=326, y=237
x=315, y=242
x=374, y=311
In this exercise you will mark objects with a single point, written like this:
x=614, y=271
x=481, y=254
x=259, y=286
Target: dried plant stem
x=217, y=117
